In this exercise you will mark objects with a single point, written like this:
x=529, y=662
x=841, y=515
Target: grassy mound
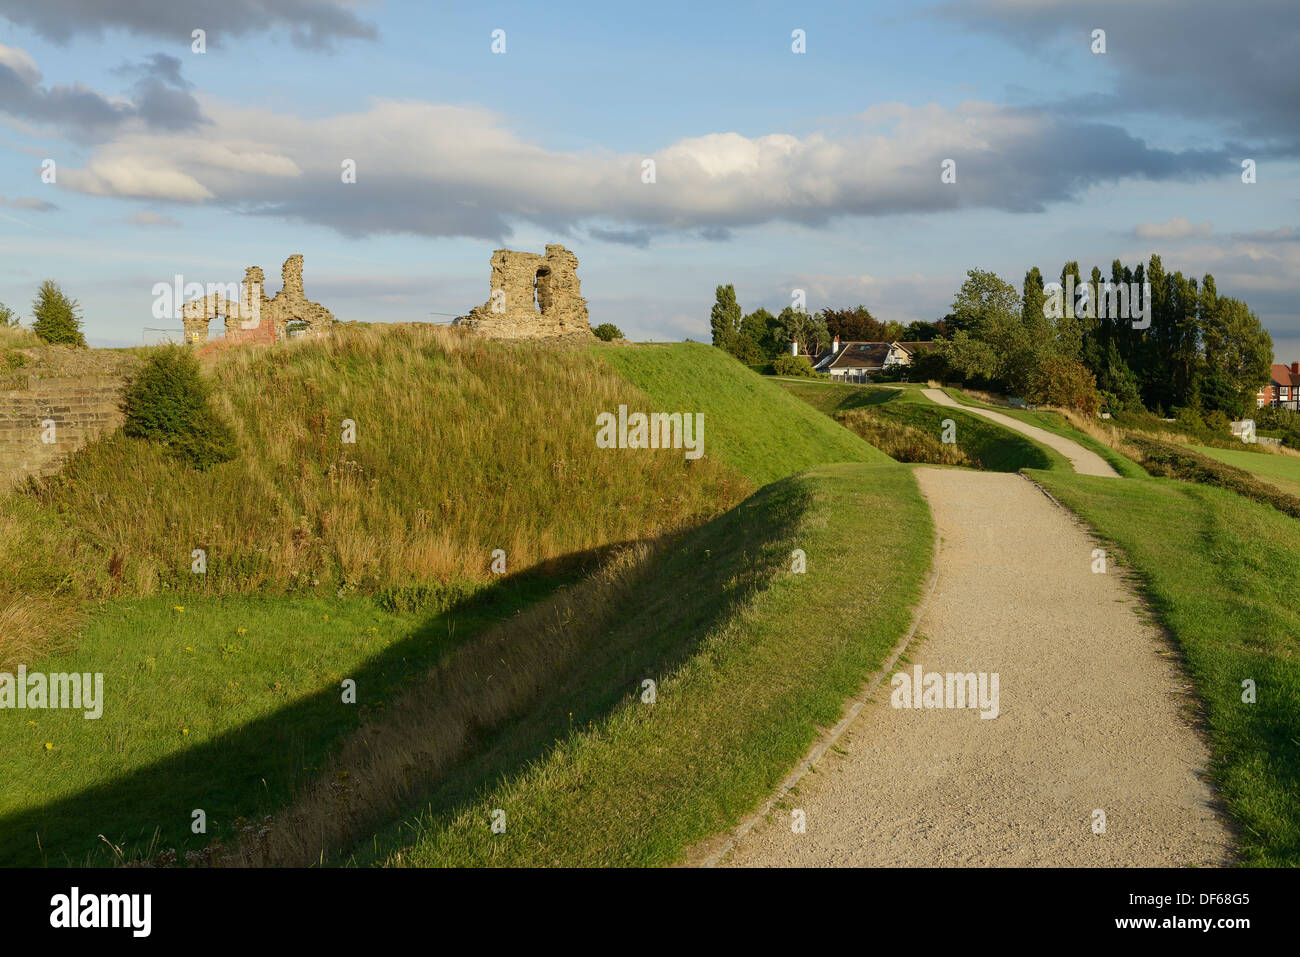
x=749, y=660
x=461, y=447
x=750, y=423
x=909, y=428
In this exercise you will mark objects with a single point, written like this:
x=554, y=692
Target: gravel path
x=1085, y=461
x=1091, y=717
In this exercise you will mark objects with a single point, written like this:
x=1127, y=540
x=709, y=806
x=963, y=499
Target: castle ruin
x=257, y=317
x=533, y=297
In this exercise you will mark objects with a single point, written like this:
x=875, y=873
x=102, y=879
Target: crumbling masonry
x=255, y=317
x=533, y=297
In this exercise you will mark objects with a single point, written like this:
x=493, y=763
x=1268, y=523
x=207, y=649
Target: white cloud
x=439, y=170
x=1176, y=228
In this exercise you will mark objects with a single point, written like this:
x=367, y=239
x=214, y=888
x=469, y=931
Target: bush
x=168, y=402
x=56, y=318
x=608, y=332
x=1067, y=384
x=793, y=365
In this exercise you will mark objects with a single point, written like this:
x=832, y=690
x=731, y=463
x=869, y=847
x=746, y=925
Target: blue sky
x=775, y=170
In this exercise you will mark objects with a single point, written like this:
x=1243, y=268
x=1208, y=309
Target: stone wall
x=256, y=317
x=532, y=297
x=81, y=408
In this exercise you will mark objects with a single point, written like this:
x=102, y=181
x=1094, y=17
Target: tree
x=1033, y=316
x=854, y=325
x=803, y=327
x=921, y=331
x=990, y=310
x=761, y=328
x=56, y=318
x=608, y=332
x=724, y=318
x=7, y=318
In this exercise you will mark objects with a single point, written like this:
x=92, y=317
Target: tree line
x=1140, y=339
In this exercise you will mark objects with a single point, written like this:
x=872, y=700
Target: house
x=858, y=361
x=1283, y=389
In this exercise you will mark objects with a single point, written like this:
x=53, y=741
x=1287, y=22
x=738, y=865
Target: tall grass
x=462, y=446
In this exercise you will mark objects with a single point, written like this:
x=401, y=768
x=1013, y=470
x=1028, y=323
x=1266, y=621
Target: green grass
x=750, y=661
x=1050, y=421
x=200, y=715
x=988, y=445
x=1282, y=471
x=750, y=423
x=1222, y=574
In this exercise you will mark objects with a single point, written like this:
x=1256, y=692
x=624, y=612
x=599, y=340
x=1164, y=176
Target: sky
x=774, y=170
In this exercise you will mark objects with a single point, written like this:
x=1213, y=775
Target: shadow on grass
x=694, y=582
x=253, y=769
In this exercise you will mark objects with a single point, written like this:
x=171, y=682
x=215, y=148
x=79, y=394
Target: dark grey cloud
x=159, y=97
x=1230, y=62
x=309, y=23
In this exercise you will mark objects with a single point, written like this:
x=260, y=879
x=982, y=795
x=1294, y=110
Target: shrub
x=608, y=332
x=7, y=318
x=168, y=402
x=1067, y=384
x=793, y=365
x=56, y=318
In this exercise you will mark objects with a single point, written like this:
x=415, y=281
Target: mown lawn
x=214, y=704
x=1281, y=471
x=1221, y=573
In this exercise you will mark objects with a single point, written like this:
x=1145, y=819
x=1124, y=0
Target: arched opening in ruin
x=542, y=289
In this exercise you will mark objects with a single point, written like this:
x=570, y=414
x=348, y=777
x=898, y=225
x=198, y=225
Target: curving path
x=1085, y=461
x=1093, y=715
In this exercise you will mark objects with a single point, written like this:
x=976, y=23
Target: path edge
x=829, y=738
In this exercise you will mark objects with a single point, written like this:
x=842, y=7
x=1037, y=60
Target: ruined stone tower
x=255, y=317
x=532, y=297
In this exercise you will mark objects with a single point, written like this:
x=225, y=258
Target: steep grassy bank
x=462, y=446
x=749, y=423
x=1221, y=573
x=749, y=660
x=908, y=427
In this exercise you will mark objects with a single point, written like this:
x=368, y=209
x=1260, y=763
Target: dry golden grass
x=462, y=446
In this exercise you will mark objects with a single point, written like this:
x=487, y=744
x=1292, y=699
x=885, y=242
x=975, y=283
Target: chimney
x=835, y=346
x=1295, y=368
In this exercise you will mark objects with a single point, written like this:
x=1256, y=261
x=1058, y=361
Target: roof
x=860, y=355
x=915, y=347
x=1282, y=375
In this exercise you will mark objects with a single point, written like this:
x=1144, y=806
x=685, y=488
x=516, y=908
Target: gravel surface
x=1085, y=461
x=1093, y=716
